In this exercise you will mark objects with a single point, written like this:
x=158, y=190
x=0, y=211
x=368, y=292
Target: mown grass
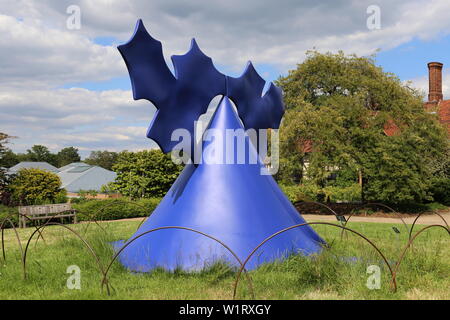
x=337, y=273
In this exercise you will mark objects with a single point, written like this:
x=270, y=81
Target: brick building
x=436, y=102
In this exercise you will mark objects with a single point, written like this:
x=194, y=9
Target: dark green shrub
x=440, y=190
x=144, y=174
x=312, y=192
x=113, y=209
x=10, y=212
x=351, y=193
x=61, y=197
x=291, y=191
x=303, y=192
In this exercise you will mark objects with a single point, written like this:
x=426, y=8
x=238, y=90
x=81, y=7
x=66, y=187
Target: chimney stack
x=435, y=81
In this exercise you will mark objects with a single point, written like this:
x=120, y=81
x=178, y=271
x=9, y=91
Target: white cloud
x=34, y=55
x=85, y=119
x=232, y=32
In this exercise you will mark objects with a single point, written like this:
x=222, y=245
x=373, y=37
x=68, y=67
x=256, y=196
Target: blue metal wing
x=180, y=99
x=150, y=77
x=256, y=111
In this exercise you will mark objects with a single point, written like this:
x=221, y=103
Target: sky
x=63, y=82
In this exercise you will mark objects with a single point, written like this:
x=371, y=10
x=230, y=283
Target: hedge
x=109, y=209
x=113, y=209
x=440, y=190
x=311, y=192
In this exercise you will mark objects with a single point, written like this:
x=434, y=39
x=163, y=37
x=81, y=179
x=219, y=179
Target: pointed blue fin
x=256, y=111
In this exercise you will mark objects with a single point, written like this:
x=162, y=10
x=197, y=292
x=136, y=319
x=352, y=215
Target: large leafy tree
x=104, y=159
x=5, y=162
x=9, y=159
x=41, y=153
x=356, y=118
x=67, y=155
x=4, y=138
x=144, y=174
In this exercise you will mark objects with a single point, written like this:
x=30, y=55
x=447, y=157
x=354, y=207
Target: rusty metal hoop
x=323, y=205
x=374, y=204
x=180, y=228
x=419, y=215
x=6, y=219
x=408, y=245
x=87, y=245
x=301, y=225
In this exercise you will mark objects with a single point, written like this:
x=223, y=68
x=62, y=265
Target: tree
x=41, y=153
x=104, y=159
x=144, y=174
x=9, y=159
x=67, y=155
x=5, y=179
x=35, y=186
x=355, y=117
x=4, y=138
x=440, y=184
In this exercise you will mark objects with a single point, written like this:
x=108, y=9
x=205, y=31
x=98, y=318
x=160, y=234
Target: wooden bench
x=45, y=212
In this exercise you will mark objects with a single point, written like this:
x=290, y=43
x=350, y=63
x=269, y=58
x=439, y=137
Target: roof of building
x=73, y=164
x=34, y=165
x=81, y=176
x=444, y=113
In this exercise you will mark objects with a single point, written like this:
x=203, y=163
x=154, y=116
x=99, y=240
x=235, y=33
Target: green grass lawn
x=424, y=273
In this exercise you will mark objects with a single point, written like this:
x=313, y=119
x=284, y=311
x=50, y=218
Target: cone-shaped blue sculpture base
x=231, y=202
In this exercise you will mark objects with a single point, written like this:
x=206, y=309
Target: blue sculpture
x=231, y=202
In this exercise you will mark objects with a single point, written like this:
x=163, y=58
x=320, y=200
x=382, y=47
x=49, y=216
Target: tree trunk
x=361, y=183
